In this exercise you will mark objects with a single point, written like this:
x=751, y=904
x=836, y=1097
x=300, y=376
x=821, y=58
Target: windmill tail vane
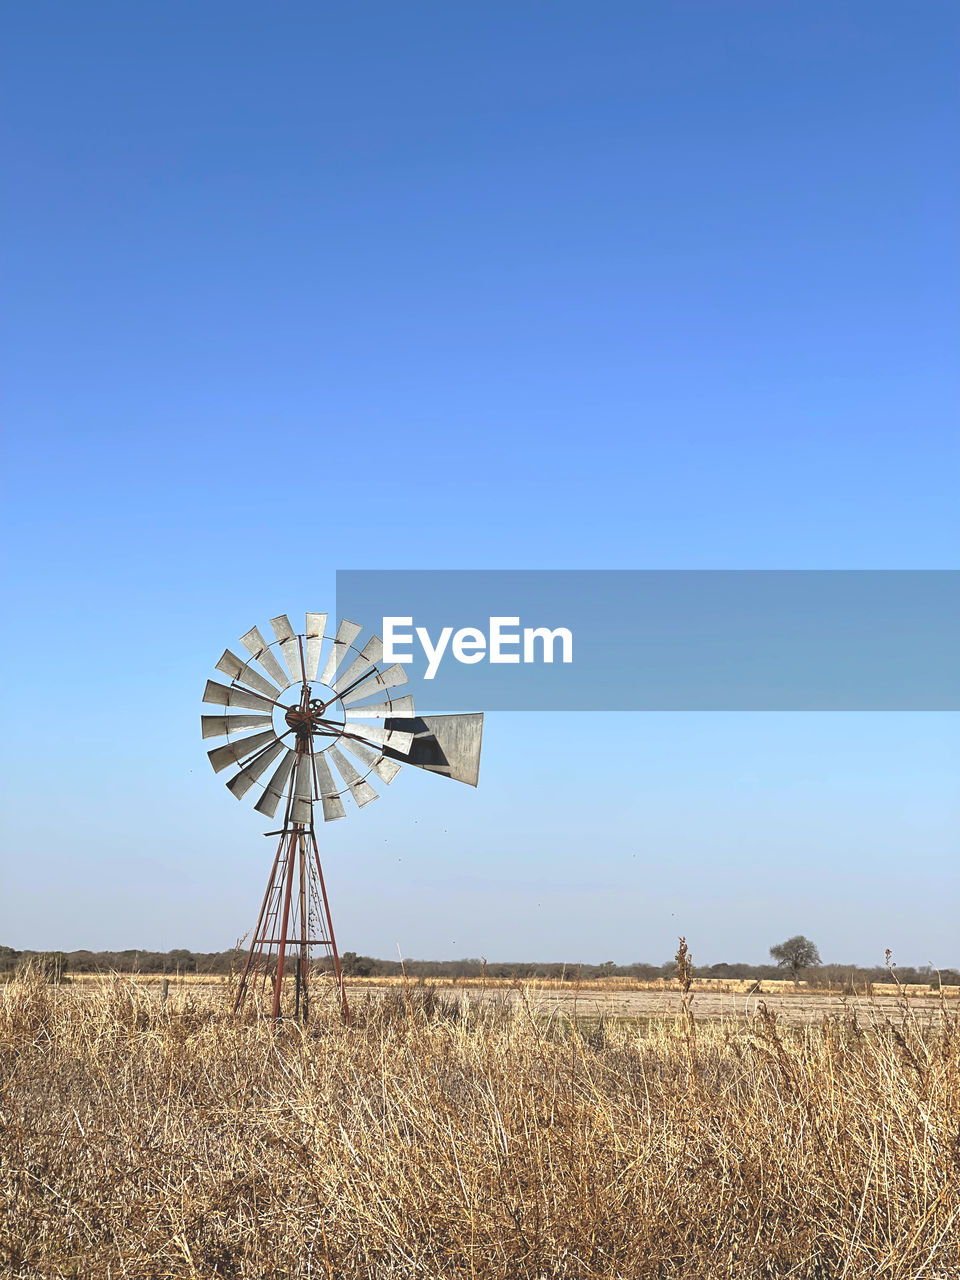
x=293, y=713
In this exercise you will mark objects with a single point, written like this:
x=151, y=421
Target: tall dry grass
x=433, y=1140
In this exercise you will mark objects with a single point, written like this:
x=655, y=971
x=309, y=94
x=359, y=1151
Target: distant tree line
x=57, y=963
x=128, y=961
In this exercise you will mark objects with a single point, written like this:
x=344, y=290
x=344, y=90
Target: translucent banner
x=666, y=640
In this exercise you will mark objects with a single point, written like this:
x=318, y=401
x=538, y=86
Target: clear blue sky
x=301, y=287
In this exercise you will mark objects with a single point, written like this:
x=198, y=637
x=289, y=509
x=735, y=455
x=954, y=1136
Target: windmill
x=293, y=713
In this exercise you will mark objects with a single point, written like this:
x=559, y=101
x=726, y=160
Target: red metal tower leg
x=258, y=932
x=303, y=980
x=344, y=1007
x=282, y=937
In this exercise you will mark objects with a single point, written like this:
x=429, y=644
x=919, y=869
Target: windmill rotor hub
x=305, y=721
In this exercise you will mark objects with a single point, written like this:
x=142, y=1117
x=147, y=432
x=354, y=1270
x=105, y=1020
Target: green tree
x=796, y=954
x=354, y=966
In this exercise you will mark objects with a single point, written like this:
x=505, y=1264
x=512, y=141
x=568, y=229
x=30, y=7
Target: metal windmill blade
x=287, y=730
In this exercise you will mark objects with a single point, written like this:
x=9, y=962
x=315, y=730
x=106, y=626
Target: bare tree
x=796, y=954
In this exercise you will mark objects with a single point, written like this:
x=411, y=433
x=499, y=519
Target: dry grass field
x=492, y=1137
x=709, y=999
x=731, y=1002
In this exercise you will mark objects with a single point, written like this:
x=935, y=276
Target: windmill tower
x=292, y=714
